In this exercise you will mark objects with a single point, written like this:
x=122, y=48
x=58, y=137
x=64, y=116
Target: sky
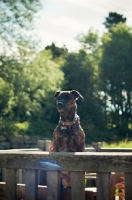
x=61, y=21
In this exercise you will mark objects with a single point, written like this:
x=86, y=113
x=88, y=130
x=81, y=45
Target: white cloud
x=102, y=5
x=62, y=20
x=68, y=22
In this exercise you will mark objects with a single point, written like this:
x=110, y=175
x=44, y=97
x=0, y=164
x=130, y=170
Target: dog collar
x=69, y=123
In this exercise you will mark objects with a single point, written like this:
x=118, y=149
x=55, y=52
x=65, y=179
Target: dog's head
x=66, y=99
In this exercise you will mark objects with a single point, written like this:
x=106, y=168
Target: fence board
x=77, y=182
x=81, y=161
x=21, y=191
x=53, y=185
x=103, y=186
x=128, y=186
x=19, y=176
x=31, y=182
x=100, y=163
x=11, y=184
x=3, y=174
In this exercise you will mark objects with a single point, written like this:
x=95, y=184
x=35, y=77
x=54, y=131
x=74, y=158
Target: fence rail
x=101, y=163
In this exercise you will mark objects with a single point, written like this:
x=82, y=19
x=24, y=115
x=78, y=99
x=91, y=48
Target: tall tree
x=113, y=19
x=5, y=94
x=45, y=78
x=27, y=90
x=89, y=41
x=80, y=75
x=116, y=73
x=56, y=51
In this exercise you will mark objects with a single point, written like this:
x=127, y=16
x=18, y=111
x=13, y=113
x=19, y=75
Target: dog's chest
x=67, y=139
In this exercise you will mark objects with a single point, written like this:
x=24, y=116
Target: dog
x=68, y=136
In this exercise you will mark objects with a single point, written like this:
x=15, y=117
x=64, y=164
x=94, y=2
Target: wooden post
x=128, y=186
x=3, y=174
x=77, y=182
x=53, y=185
x=19, y=176
x=103, y=186
x=31, y=182
x=11, y=184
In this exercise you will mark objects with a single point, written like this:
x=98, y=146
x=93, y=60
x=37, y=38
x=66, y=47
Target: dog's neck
x=69, y=115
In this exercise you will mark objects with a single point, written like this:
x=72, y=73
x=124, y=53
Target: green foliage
x=113, y=19
x=101, y=71
x=116, y=73
x=45, y=80
x=16, y=18
x=41, y=128
x=119, y=144
x=4, y=96
x=7, y=127
x=28, y=80
x=80, y=75
x=47, y=73
x=56, y=51
x=33, y=86
x=89, y=41
x=22, y=126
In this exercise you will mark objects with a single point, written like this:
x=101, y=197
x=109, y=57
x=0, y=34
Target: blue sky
x=61, y=21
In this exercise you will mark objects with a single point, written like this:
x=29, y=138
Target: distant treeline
x=101, y=70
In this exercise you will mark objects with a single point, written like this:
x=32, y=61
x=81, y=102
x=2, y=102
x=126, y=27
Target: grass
x=121, y=144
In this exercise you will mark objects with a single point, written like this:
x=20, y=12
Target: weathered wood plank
x=21, y=191
x=53, y=185
x=116, y=150
x=81, y=161
x=19, y=176
x=103, y=186
x=11, y=184
x=31, y=182
x=128, y=186
x=3, y=174
x=77, y=182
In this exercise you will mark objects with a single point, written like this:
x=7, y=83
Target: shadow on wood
x=42, y=191
x=66, y=195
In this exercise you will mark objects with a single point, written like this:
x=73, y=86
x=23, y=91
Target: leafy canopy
x=116, y=73
x=113, y=19
x=16, y=19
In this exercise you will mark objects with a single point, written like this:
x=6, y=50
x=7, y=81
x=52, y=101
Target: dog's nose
x=60, y=104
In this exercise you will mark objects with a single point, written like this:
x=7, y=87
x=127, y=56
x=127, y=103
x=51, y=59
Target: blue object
x=49, y=165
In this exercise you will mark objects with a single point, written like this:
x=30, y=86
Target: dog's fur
x=68, y=135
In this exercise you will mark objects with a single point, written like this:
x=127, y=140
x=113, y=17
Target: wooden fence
x=101, y=163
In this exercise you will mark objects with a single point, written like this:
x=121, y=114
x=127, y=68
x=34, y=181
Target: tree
x=17, y=48
x=27, y=91
x=16, y=18
x=56, y=51
x=89, y=41
x=80, y=75
x=45, y=77
x=5, y=94
x=115, y=73
x=113, y=19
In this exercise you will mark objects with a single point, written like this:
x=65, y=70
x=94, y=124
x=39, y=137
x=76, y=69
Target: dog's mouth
x=61, y=109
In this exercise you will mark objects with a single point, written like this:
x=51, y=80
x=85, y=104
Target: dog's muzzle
x=61, y=106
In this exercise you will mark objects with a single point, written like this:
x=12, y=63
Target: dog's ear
x=56, y=94
x=76, y=94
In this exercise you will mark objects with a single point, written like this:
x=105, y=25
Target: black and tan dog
x=68, y=135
